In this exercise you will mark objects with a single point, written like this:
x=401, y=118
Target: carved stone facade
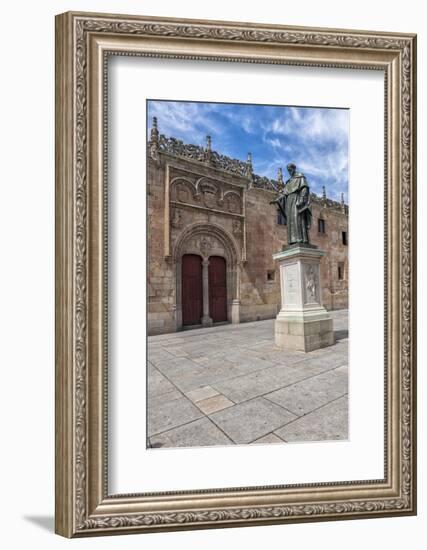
x=205, y=204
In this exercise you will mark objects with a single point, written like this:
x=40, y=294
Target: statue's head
x=291, y=168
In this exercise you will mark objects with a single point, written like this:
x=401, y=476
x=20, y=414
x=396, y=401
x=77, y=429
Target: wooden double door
x=193, y=292
x=217, y=289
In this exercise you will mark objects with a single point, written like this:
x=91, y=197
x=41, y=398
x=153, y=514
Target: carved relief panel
x=176, y=218
x=232, y=202
x=206, y=193
x=182, y=191
x=311, y=284
x=210, y=195
x=193, y=199
x=205, y=245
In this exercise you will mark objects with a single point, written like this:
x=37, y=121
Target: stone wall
x=188, y=192
x=160, y=273
x=260, y=296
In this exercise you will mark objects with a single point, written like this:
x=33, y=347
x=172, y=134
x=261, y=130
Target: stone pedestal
x=302, y=322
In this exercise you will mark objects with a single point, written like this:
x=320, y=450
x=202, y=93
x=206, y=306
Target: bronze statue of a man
x=294, y=203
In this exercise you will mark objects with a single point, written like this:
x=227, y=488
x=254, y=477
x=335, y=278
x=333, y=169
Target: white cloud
x=281, y=126
x=275, y=143
x=328, y=124
x=317, y=141
x=242, y=119
x=179, y=118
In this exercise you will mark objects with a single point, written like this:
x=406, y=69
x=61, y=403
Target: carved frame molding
x=83, y=43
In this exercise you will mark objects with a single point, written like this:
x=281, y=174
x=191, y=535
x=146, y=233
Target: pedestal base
x=303, y=332
x=207, y=321
x=302, y=324
x=235, y=311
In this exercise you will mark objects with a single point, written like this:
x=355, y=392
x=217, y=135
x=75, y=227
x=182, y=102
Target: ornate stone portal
x=302, y=322
x=207, y=240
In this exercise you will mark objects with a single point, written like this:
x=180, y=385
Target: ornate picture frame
x=84, y=506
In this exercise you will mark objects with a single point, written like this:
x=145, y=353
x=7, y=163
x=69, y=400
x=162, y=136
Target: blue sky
x=315, y=139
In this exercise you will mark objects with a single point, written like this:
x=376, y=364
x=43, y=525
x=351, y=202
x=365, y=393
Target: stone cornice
x=176, y=148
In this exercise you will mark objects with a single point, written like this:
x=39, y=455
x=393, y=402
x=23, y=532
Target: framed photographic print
x=235, y=274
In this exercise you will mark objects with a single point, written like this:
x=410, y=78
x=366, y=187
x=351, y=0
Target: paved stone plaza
x=230, y=385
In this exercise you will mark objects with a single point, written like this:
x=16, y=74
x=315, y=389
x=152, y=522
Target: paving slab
x=309, y=394
x=323, y=362
x=200, y=433
x=154, y=401
x=278, y=356
x=205, y=375
x=213, y=404
x=258, y=383
x=182, y=367
x=202, y=360
x=329, y=422
x=269, y=438
x=170, y=410
x=201, y=393
x=343, y=369
x=178, y=351
x=157, y=383
x=247, y=361
x=251, y=420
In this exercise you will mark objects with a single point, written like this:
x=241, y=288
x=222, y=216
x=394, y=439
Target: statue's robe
x=295, y=205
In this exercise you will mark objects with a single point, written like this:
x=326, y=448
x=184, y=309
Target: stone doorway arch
x=206, y=240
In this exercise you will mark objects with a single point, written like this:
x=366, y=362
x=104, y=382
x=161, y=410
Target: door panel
x=217, y=289
x=192, y=292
